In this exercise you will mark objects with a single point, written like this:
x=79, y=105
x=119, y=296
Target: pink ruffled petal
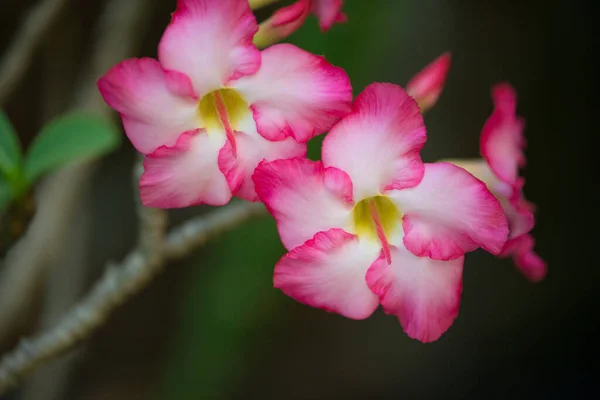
x=156, y=105
x=304, y=197
x=295, y=94
x=211, y=42
x=423, y=293
x=502, y=139
x=186, y=174
x=328, y=13
x=520, y=216
x=238, y=166
x=531, y=265
x=378, y=144
x=450, y=213
x=427, y=85
x=328, y=272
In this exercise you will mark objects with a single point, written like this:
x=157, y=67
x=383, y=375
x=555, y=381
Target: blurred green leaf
x=5, y=195
x=10, y=148
x=72, y=137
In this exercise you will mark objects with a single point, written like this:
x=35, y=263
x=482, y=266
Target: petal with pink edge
x=423, y=293
x=211, y=42
x=426, y=86
x=328, y=13
x=238, y=165
x=502, y=139
x=328, y=272
x=186, y=174
x=520, y=216
x=450, y=213
x=295, y=94
x=531, y=265
x=156, y=105
x=378, y=144
x=304, y=197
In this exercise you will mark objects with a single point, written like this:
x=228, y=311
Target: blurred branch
x=195, y=232
x=119, y=32
x=121, y=281
x=18, y=56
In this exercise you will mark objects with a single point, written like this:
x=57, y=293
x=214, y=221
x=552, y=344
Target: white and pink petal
x=211, y=42
x=502, y=140
x=423, y=293
x=450, y=213
x=186, y=174
x=304, y=197
x=156, y=105
x=239, y=161
x=378, y=144
x=295, y=94
x=328, y=272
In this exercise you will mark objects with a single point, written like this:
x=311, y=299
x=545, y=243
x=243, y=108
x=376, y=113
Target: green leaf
x=5, y=195
x=10, y=148
x=71, y=137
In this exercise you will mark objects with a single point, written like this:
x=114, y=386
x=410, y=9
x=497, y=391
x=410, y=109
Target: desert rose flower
x=213, y=106
x=502, y=145
x=372, y=224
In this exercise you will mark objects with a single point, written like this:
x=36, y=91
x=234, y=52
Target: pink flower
x=372, y=224
x=213, y=106
x=288, y=20
x=502, y=145
x=426, y=86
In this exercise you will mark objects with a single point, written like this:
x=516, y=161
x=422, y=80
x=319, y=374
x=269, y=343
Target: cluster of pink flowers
x=371, y=224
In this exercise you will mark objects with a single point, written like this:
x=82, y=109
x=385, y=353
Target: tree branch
x=120, y=281
x=19, y=54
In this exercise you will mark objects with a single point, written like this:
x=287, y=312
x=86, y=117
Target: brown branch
x=119, y=283
x=18, y=56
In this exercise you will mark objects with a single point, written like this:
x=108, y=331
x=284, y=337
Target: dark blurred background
x=213, y=326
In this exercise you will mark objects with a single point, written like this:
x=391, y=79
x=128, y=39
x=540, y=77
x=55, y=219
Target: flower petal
x=295, y=93
x=186, y=174
x=378, y=144
x=450, y=213
x=328, y=272
x=502, y=139
x=250, y=149
x=211, y=42
x=520, y=216
x=423, y=293
x=426, y=86
x=531, y=265
x=304, y=197
x=156, y=105
x=517, y=210
x=328, y=12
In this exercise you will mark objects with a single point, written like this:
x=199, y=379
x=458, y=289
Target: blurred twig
x=16, y=60
x=119, y=282
x=118, y=34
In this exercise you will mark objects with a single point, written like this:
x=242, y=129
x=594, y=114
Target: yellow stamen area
x=367, y=211
x=212, y=106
